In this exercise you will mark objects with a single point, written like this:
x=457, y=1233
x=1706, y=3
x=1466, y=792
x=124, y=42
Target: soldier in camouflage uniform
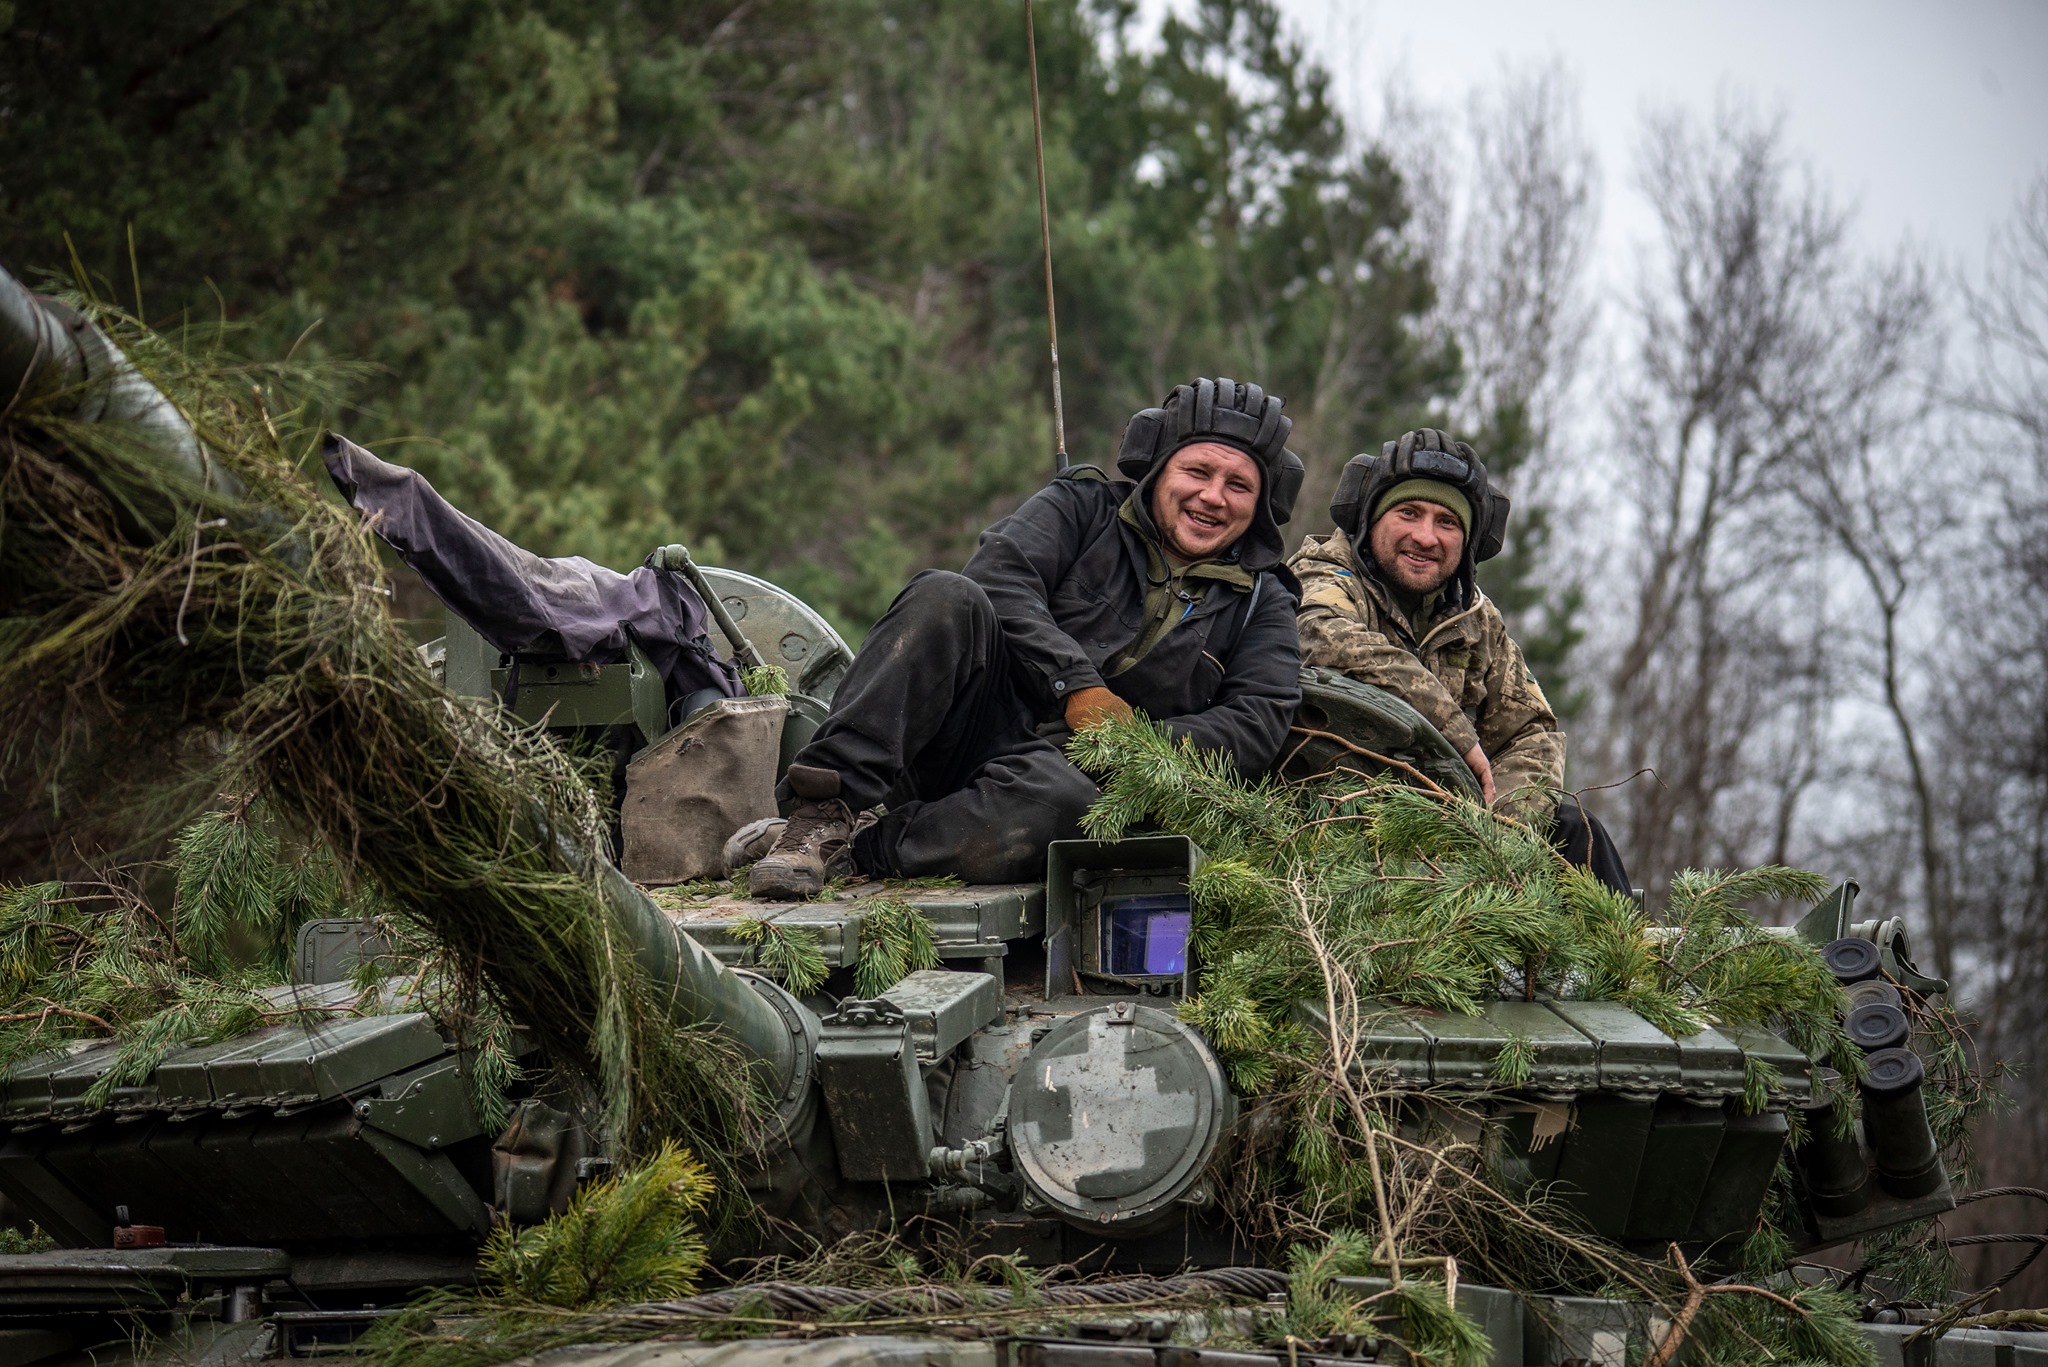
x=1390, y=600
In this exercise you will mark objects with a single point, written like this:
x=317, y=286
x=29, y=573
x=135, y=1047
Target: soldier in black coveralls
x=1166, y=594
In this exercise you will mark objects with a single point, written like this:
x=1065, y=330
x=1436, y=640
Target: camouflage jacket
x=1466, y=674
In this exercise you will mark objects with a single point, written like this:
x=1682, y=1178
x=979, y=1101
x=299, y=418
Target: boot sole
x=783, y=885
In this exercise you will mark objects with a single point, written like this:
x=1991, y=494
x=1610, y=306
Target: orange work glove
x=1094, y=706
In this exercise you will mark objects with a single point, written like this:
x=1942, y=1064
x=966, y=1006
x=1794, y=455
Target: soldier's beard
x=1403, y=576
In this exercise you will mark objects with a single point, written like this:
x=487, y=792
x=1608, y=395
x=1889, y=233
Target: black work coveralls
x=940, y=715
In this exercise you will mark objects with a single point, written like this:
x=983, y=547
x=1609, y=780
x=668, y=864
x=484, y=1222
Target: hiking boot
x=816, y=843
x=752, y=842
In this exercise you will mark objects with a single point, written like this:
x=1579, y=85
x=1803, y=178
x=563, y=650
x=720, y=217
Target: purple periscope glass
x=1146, y=936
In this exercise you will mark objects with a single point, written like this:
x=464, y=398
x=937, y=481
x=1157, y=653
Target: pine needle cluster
x=243, y=890
x=99, y=960
x=213, y=623
x=792, y=954
x=766, y=680
x=1342, y=899
x=632, y=1239
x=895, y=940
x=1415, y=1313
x=1411, y=899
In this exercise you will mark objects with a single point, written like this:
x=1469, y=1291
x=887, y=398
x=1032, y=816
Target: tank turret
x=1031, y=1080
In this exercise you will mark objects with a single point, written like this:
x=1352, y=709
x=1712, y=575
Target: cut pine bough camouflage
x=170, y=580
x=1047, y=1085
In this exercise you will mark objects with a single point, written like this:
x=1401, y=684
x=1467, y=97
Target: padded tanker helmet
x=1425, y=453
x=1241, y=416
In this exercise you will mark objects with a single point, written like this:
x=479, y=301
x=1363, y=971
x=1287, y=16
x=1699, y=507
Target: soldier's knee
x=936, y=611
x=944, y=590
x=1013, y=849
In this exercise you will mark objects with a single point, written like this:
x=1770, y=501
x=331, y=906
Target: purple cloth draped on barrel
x=526, y=605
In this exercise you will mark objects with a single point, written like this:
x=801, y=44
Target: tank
x=1037, y=1091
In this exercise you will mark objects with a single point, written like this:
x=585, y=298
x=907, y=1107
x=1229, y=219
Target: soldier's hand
x=1481, y=770
x=1094, y=706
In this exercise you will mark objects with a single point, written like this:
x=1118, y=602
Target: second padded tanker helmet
x=1425, y=453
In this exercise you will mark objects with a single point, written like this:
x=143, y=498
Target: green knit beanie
x=1429, y=491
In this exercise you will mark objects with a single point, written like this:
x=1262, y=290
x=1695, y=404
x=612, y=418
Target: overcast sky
x=1928, y=118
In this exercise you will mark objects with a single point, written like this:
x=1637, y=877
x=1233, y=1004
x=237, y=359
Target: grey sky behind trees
x=1828, y=647
x=1928, y=119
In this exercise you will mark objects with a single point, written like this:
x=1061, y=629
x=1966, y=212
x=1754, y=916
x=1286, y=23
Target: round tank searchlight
x=1115, y=1117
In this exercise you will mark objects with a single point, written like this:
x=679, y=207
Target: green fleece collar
x=1169, y=598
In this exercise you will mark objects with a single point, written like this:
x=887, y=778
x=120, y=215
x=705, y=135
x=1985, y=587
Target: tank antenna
x=1052, y=326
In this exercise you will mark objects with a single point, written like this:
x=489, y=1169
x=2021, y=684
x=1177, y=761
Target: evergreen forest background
x=762, y=276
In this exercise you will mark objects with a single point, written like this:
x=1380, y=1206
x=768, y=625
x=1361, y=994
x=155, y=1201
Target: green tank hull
x=1036, y=1091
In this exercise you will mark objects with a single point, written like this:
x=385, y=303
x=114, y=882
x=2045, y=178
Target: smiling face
x=1204, y=499
x=1418, y=545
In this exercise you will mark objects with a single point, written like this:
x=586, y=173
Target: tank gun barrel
x=47, y=348
x=52, y=353
x=697, y=988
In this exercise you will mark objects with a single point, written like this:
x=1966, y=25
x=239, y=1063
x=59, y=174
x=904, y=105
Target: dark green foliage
x=1415, y=1313
x=790, y=953
x=1767, y=1251
x=1260, y=240
x=1740, y=1330
x=1430, y=1327
x=1417, y=901
x=98, y=959
x=762, y=279
x=1516, y=1063
x=1348, y=897
x=30, y=1240
x=631, y=1238
x=1723, y=968
x=760, y=680
x=895, y=939
x=241, y=894
x=92, y=960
